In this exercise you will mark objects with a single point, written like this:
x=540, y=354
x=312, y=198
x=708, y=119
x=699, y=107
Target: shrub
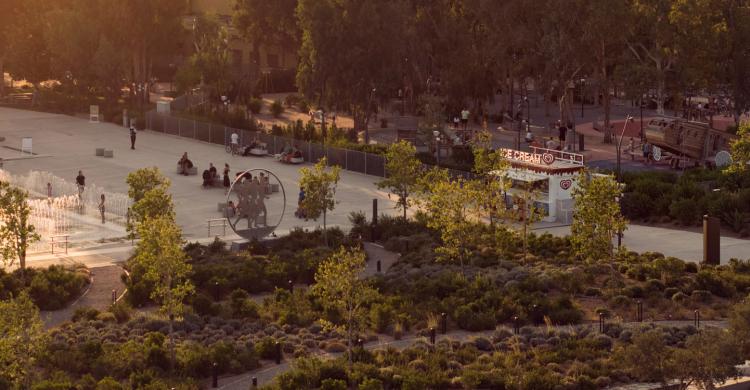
x=303, y=106
x=266, y=348
x=55, y=287
x=679, y=297
x=620, y=301
x=702, y=296
x=277, y=108
x=371, y=384
x=381, y=317
x=686, y=211
x=669, y=292
x=654, y=285
x=333, y=384
x=592, y=292
x=204, y=306
x=84, y=314
x=121, y=310
x=255, y=105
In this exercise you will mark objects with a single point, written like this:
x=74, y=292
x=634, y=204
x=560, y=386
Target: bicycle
x=231, y=148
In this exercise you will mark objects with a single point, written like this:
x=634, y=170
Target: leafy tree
x=319, y=184
x=653, y=41
x=147, y=187
x=28, y=56
x=16, y=231
x=740, y=149
x=349, y=53
x=159, y=252
x=402, y=172
x=648, y=358
x=709, y=358
x=493, y=181
x=448, y=204
x=597, y=218
x=210, y=63
x=526, y=211
x=339, y=287
x=266, y=23
x=739, y=325
x=23, y=339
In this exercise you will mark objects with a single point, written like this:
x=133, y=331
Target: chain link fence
x=351, y=160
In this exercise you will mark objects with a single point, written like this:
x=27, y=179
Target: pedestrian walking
x=132, y=136
x=101, y=207
x=646, y=149
x=465, y=117
x=226, y=178
x=81, y=182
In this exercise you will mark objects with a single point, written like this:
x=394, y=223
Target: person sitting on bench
x=207, y=178
x=185, y=164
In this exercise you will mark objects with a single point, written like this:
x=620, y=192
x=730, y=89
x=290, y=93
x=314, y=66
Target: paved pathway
x=376, y=252
x=98, y=296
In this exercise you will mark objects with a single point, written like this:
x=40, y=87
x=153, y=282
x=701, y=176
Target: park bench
x=190, y=171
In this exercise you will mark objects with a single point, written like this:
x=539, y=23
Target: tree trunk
x=2, y=77
x=660, y=87
x=607, y=107
x=325, y=231
x=404, y=205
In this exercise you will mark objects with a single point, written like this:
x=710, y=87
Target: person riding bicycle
x=235, y=141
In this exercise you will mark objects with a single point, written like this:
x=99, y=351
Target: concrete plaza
x=63, y=145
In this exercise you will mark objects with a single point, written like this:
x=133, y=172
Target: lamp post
x=583, y=84
x=528, y=114
x=367, y=112
x=619, y=144
x=436, y=135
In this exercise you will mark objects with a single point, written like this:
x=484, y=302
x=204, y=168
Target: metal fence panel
x=375, y=165
x=336, y=156
x=317, y=151
x=157, y=123
x=171, y=125
x=202, y=131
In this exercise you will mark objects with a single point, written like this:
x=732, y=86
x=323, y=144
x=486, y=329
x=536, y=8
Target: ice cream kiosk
x=553, y=175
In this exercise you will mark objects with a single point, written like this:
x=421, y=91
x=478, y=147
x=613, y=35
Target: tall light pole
x=583, y=83
x=528, y=113
x=367, y=113
x=619, y=144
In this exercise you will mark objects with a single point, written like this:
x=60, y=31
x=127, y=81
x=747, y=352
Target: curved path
x=98, y=296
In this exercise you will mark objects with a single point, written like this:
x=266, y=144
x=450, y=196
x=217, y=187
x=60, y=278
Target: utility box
x=163, y=107
x=711, y=240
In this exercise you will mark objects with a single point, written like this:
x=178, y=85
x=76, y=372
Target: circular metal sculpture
x=256, y=202
x=656, y=153
x=723, y=158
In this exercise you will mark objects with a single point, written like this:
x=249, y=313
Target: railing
x=573, y=158
x=217, y=222
x=351, y=160
x=59, y=240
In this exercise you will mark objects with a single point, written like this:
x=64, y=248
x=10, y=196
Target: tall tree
x=653, y=41
x=159, y=253
x=740, y=149
x=449, y=205
x=402, y=169
x=603, y=23
x=16, y=231
x=648, y=358
x=23, y=340
x=597, y=218
x=8, y=18
x=349, y=53
x=266, y=24
x=319, y=184
x=149, y=191
x=339, y=287
x=709, y=358
x=27, y=55
x=210, y=60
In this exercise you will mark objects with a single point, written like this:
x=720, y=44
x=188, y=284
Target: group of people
x=251, y=194
x=81, y=184
x=461, y=120
x=185, y=164
x=289, y=153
